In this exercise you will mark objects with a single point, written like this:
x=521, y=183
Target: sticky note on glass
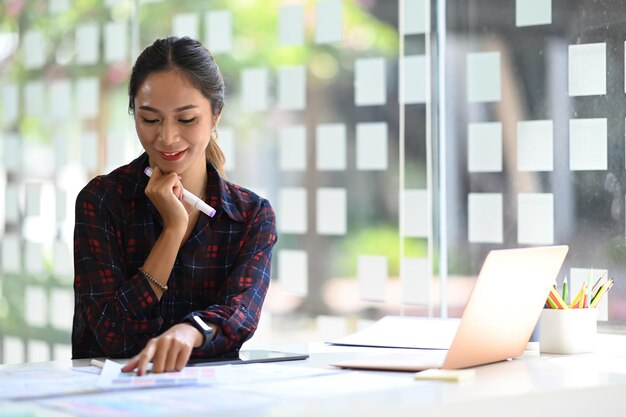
x=450, y=375
x=87, y=44
x=219, y=30
x=293, y=271
x=186, y=24
x=115, y=42
x=329, y=21
x=291, y=25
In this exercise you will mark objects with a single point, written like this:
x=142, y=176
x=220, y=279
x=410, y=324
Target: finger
x=131, y=365
x=156, y=172
x=183, y=357
x=162, y=348
x=172, y=356
x=145, y=356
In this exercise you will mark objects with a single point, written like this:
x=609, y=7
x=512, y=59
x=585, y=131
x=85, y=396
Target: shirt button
x=244, y=309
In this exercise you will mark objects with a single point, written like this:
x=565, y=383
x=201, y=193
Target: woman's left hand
x=168, y=352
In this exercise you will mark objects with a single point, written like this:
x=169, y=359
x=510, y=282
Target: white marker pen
x=191, y=199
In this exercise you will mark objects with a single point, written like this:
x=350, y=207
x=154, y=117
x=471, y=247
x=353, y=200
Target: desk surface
x=577, y=385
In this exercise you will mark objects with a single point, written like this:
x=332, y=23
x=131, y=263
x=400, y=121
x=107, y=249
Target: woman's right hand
x=166, y=193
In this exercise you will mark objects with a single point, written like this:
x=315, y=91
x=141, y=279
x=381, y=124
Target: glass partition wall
x=535, y=137
x=398, y=142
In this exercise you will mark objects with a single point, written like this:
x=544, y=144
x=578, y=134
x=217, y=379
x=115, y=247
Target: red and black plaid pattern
x=222, y=271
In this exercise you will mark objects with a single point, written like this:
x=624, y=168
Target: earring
x=214, y=133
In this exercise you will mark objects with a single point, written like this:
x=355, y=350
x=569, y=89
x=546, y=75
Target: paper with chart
x=41, y=381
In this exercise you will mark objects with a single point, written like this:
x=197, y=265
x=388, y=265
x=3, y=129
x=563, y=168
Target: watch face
x=205, y=327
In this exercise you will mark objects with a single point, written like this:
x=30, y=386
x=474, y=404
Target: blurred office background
x=398, y=140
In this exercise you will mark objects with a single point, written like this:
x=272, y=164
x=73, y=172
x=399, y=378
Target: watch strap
x=198, y=322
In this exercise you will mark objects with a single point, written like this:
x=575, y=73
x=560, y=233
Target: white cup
x=568, y=331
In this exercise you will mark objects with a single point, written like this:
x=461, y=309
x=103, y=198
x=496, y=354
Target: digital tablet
x=248, y=356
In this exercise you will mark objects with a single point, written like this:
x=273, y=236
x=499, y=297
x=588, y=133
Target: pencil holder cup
x=568, y=331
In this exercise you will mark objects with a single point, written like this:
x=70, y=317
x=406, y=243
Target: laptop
x=498, y=319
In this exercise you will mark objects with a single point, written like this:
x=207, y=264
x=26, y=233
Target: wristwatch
x=196, y=321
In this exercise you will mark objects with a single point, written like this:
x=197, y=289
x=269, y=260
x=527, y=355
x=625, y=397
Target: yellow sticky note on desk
x=452, y=375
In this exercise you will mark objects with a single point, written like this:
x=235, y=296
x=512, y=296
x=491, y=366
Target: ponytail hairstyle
x=195, y=62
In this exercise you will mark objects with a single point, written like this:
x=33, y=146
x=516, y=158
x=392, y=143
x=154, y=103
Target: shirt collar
x=220, y=192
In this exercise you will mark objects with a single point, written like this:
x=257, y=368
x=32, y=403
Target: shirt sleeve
x=111, y=303
x=245, y=288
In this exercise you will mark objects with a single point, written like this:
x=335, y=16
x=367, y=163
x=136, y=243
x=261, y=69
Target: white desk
x=578, y=385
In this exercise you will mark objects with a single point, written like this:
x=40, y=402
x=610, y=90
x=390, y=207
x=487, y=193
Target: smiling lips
x=172, y=156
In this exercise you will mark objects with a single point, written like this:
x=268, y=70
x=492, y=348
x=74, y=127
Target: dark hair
x=196, y=63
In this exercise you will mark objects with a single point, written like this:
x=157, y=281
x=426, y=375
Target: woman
x=154, y=277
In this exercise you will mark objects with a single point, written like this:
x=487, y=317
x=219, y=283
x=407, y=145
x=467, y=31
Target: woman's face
x=174, y=122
